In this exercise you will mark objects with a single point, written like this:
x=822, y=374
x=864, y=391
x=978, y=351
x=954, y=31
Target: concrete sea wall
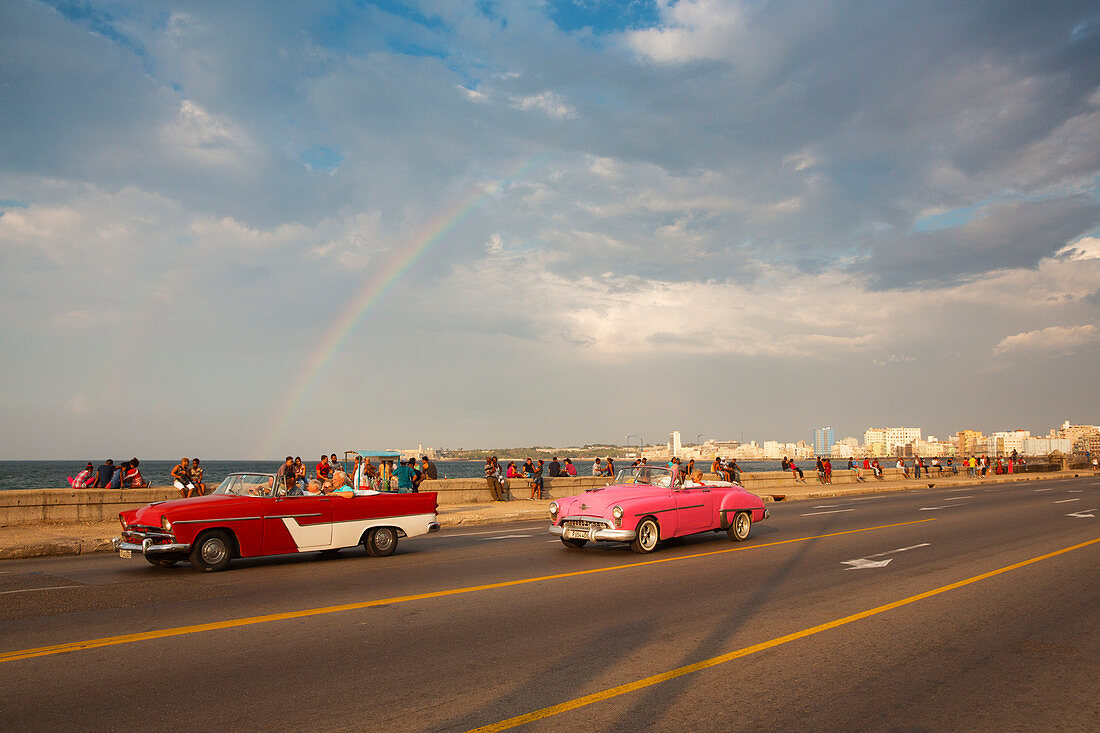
x=90, y=505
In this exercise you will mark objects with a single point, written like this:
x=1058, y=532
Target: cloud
x=1050, y=341
x=691, y=30
x=1085, y=248
x=547, y=102
x=1006, y=236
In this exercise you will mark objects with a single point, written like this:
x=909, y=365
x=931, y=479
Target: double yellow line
x=75, y=646
x=722, y=659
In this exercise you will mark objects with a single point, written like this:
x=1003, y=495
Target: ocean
x=53, y=474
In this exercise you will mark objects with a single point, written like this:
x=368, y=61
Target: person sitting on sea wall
x=181, y=475
x=597, y=468
x=197, y=478
x=287, y=472
x=570, y=469
x=512, y=472
x=104, y=473
x=300, y=472
x=796, y=472
x=133, y=478
x=116, y=477
x=85, y=479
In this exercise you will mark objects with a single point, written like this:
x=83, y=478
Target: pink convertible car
x=645, y=506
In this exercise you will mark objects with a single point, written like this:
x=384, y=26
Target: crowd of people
x=125, y=475
x=331, y=476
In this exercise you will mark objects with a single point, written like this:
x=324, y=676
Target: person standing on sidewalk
x=499, y=473
x=491, y=480
x=916, y=466
x=536, y=480
x=828, y=471
x=820, y=470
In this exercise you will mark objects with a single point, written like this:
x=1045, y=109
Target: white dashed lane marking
x=31, y=590
x=1064, y=501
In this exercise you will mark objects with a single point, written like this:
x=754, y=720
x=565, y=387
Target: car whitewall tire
x=648, y=536
x=739, y=530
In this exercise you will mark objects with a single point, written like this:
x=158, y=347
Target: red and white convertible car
x=253, y=514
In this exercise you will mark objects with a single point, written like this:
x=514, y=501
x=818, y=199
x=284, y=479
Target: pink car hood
x=598, y=502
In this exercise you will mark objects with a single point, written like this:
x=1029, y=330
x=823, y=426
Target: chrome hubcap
x=213, y=551
x=648, y=535
x=742, y=525
x=383, y=539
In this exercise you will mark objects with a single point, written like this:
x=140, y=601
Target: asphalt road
x=982, y=619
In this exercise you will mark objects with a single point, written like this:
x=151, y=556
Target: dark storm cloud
x=1009, y=236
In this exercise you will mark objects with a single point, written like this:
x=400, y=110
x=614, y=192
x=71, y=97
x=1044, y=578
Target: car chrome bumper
x=433, y=527
x=148, y=548
x=599, y=535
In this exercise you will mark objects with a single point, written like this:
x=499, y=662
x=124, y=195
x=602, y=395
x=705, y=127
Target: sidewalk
x=77, y=538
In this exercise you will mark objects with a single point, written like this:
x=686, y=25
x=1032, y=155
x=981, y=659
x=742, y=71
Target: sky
x=238, y=230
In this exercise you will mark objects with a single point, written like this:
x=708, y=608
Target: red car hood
x=199, y=506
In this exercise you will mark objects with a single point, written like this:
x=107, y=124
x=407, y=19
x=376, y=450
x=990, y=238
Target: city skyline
x=240, y=233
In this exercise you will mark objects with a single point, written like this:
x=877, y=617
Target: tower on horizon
x=823, y=441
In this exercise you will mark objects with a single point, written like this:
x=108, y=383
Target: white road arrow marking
x=1066, y=501
x=866, y=562
x=834, y=511
x=1083, y=514
x=862, y=564
x=505, y=537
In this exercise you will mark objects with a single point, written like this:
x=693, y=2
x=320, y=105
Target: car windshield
x=246, y=484
x=646, y=475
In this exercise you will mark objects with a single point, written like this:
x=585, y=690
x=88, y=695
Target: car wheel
x=161, y=561
x=575, y=544
x=648, y=536
x=739, y=530
x=381, y=541
x=212, y=552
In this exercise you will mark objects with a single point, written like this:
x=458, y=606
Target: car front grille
x=583, y=524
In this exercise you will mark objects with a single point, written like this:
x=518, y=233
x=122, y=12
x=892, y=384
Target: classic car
x=254, y=514
x=648, y=504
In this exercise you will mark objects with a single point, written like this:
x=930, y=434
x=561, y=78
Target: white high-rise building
x=1011, y=440
x=674, y=444
x=891, y=438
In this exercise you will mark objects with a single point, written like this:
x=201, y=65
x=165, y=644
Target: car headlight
x=165, y=523
x=617, y=515
x=553, y=509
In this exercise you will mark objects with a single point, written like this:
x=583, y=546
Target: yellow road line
x=715, y=661
x=74, y=646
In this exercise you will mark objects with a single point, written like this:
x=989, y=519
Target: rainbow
x=379, y=282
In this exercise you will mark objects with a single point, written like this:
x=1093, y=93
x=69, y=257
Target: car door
x=297, y=523
x=694, y=510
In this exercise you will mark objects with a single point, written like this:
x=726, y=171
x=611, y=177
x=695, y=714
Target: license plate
x=577, y=534
x=124, y=553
